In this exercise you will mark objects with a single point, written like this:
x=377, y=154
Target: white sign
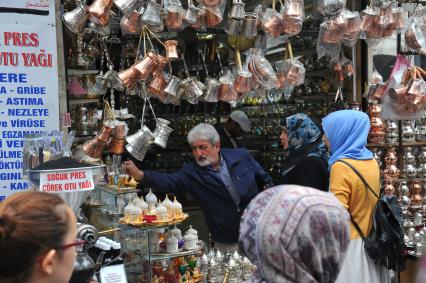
x=29, y=100
x=67, y=181
x=113, y=274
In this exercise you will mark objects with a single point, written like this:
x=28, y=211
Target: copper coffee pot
x=129, y=77
x=174, y=19
x=100, y=11
x=146, y=65
x=171, y=50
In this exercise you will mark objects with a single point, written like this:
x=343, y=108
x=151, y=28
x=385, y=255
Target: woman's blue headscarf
x=347, y=132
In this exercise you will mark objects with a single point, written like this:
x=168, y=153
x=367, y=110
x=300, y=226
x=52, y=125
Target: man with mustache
x=222, y=180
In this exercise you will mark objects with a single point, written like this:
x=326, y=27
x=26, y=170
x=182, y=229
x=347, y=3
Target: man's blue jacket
x=221, y=214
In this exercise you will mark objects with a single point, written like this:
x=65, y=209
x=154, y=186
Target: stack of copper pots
x=391, y=170
x=391, y=132
x=95, y=147
x=377, y=133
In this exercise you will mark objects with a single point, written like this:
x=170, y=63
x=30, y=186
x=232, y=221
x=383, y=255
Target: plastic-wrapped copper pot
x=131, y=24
x=146, y=65
x=129, y=77
x=191, y=15
x=99, y=11
x=171, y=51
x=376, y=137
x=174, y=19
x=398, y=14
x=367, y=20
x=242, y=81
x=329, y=35
x=272, y=22
x=211, y=3
x=201, y=19
x=227, y=92
x=212, y=19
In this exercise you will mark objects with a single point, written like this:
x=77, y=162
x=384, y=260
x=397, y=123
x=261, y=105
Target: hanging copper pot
x=171, y=50
x=117, y=146
x=156, y=84
x=129, y=77
x=131, y=24
x=94, y=147
x=242, y=82
x=212, y=19
x=105, y=135
x=162, y=62
x=201, y=19
x=146, y=65
x=174, y=19
x=100, y=11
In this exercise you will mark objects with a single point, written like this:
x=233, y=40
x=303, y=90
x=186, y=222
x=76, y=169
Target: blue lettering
x=18, y=186
x=13, y=78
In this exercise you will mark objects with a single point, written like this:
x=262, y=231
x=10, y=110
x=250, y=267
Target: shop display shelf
x=404, y=144
x=410, y=179
x=163, y=256
x=81, y=72
x=84, y=100
x=114, y=190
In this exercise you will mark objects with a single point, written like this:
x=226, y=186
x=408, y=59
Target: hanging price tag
x=113, y=274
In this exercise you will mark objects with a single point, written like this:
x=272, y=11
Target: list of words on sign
x=67, y=181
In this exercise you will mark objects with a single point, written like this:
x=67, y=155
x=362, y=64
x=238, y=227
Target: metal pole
x=354, y=77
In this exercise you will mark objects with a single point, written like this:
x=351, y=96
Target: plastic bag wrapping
x=261, y=69
x=329, y=8
x=226, y=90
x=414, y=36
x=380, y=3
x=399, y=68
x=352, y=29
x=293, y=13
x=405, y=102
x=329, y=43
x=214, y=11
x=294, y=72
x=272, y=22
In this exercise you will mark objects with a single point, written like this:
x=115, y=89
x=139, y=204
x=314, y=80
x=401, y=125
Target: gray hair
x=203, y=131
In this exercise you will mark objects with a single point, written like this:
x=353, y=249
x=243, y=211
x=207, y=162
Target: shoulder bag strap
x=367, y=187
x=360, y=176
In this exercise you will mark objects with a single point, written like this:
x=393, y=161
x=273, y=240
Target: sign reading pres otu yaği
x=29, y=100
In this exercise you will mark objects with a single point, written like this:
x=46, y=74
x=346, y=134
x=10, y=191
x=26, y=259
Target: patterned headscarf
x=301, y=131
x=295, y=234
